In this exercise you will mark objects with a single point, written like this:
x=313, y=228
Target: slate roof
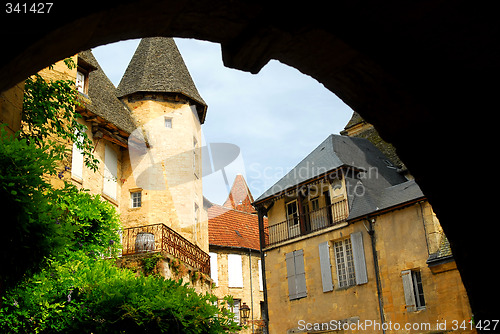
x=443, y=254
x=157, y=66
x=372, y=200
x=335, y=152
x=101, y=99
x=240, y=197
x=378, y=188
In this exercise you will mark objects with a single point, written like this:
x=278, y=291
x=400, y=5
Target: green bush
x=84, y=295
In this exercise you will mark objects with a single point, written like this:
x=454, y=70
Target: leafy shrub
x=84, y=295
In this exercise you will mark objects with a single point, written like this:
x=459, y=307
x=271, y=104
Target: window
x=413, y=290
x=292, y=216
x=315, y=204
x=77, y=160
x=110, y=172
x=236, y=310
x=168, y=122
x=81, y=80
x=296, y=274
x=261, y=283
x=350, y=261
x=235, y=271
x=214, y=274
x=136, y=199
x=345, y=263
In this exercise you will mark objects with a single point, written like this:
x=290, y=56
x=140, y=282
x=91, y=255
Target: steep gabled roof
x=157, y=66
x=240, y=197
x=102, y=100
x=336, y=152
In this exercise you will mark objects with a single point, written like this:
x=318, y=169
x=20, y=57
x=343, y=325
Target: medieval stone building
x=352, y=245
x=147, y=141
x=151, y=172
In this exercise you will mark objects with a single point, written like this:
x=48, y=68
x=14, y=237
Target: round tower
x=164, y=164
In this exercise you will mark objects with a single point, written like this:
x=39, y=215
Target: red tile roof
x=233, y=228
x=240, y=197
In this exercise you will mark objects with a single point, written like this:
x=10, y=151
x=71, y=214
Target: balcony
x=306, y=223
x=161, y=238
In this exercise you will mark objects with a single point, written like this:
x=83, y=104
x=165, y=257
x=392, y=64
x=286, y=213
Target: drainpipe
x=261, y=211
x=371, y=232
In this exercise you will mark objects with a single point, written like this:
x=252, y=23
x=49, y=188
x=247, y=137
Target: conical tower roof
x=240, y=198
x=157, y=66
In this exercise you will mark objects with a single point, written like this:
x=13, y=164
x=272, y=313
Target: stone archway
x=418, y=71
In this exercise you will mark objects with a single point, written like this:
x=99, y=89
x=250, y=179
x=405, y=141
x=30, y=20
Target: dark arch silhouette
x=420, y=71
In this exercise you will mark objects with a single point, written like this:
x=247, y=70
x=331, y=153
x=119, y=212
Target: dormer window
x=82, y=80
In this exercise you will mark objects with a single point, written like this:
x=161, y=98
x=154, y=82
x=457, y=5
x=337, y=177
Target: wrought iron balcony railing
x=306, y=223
x=161, y=238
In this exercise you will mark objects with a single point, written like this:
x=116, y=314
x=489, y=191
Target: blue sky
x=276, y=117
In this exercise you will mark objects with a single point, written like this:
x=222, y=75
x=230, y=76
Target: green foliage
x=88, y=221
x=28, y=215
x=150, y=262
x=84, y=295
x=41, y=220
x=50, y=119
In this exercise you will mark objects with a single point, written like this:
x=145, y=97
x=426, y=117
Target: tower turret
x=165, y=154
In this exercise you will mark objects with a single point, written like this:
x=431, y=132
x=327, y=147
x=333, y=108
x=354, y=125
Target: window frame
x=235, y=271
x=85, y=81
x=110, y=179
x=413, y=290
x=132, y=193
x=418, y=289
x=345, y=245
x=168, y=120
x=235, y=308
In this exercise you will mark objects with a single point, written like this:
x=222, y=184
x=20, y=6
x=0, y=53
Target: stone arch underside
x=419, y=71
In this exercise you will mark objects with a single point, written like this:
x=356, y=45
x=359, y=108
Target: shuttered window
x=261, y=283
x=110, y=172
x=235, y=271
x=77, y=160
x=296, y=274
x=350, y=261
x=326, y=270
x=236, y=310
x=214, y=274
x=413, y=290
x=358, y=254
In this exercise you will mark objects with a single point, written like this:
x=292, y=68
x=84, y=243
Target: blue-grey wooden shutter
x=358, y=254
x=325, y=264
x=290, y=275
x=411, y=305
x=300, y=274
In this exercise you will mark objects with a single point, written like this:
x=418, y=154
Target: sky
x=276, y=117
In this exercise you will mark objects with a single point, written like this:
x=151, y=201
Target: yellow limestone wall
x=178, y=170
x=402, y=243
x=246, y=292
